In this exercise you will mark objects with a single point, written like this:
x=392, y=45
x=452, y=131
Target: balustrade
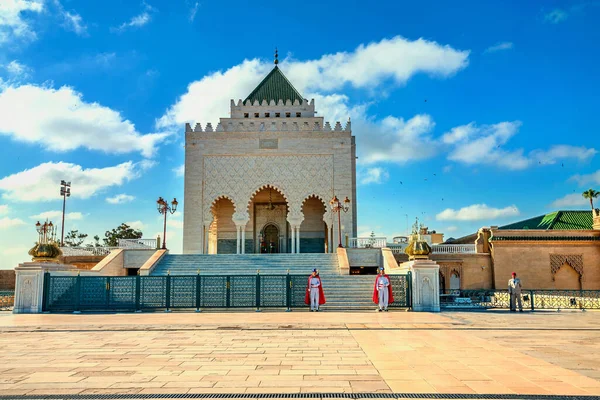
x=453, y=249
x=367, y=242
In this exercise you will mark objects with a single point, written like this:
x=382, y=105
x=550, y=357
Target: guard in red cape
x=314, y=291
x=382, y=291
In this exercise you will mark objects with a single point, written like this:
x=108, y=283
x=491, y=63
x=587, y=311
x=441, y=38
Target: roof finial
x=276, y=57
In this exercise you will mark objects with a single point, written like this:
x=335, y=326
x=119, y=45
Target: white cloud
x=3, y=209
x=74, y=22
x=373, y=175
x=137, y=21
x=40, y=183
x=6, y=222
x=451, y=229
x=14, y=23
x=555, y=16
x=559, y=152
x=499, y=47
x=582, y=180
x=179, y=171
x=194, y=11
x=136, y=225
x=16, y=70
x=174, y=223
x=120, y=199
x=473, y=144
x=15, y=250
x=571, y=200
x=476, y=212
x=56, y=215
x=59, y=120
x=368, y=67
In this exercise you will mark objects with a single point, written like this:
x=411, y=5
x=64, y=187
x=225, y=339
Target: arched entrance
x=270, y=242
x=222, y=231
x=313, y=231
x=268, y=210
x=566, y=278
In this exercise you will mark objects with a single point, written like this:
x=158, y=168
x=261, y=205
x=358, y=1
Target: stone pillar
x=29, y=287
x=243, y=228
x=293, y=239
x=205, y=236
x=425, y=287
x=298, y=239
x=237, y=237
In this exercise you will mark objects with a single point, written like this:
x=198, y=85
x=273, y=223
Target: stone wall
x=364, y=257
x=82, y=262
x=546, y=265
x=7, y=279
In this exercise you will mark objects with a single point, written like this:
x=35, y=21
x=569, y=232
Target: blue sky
x=469, y=115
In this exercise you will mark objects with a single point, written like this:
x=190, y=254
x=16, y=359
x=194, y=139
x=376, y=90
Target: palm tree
x=591, y=194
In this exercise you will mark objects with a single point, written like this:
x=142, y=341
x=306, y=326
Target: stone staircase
x=343, y=292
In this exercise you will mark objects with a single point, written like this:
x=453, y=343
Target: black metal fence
x=137, y=293
x=542, y=299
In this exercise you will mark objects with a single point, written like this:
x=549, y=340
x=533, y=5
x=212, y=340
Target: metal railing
x=453, y=249
x=542, y=299
x=139, y=243
x=397, y=248
x=367, y=242
x=7, y=299
x=87, y=251
x=138, y=293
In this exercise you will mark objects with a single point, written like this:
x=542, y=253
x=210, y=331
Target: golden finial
x=276, y=57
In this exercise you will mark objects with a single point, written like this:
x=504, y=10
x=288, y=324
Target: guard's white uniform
x=314, y=293
x=383, y=291
x=514, y=289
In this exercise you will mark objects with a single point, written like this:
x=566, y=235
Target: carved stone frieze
x=574, y=260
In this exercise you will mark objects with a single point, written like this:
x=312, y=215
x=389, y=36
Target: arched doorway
x=313, y=231
x=454, y=281
x=268, y=212
x=222, y=231
x=270, y=239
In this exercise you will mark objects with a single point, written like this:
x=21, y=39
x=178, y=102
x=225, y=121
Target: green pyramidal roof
x=558, y=220
x=276, y=87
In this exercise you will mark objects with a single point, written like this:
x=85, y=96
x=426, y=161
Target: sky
x=466, y=114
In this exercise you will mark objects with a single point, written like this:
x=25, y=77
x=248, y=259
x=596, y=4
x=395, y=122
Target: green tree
x=95, y=243
x=74, y=238
x=124, y=231
x=591, y=194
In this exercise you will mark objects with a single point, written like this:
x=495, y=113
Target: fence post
x=46, y=286
x=228, y=292
x=168, y=299
x=532, y=300
x=409, y=290
x=198, y=283
x=138, y=290
x=288, y=291
x=258, y=290
x=77, y=294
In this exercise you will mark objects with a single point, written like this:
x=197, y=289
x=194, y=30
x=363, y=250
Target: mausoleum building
x=261, y=180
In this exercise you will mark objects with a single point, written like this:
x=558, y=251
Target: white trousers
x=383, y=298
x=314, y=298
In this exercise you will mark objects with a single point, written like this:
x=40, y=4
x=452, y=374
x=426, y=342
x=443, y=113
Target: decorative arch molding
x=448, y=268
x=575, y=261
x=208, y=216
x=320, y=197
x=240, y=177
x=268, y=186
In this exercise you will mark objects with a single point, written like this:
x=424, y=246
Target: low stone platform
x=492, y=352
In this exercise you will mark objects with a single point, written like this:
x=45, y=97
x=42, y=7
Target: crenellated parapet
x=272, y=109
x=292, y=125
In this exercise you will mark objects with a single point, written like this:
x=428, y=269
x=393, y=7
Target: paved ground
x=299, y=352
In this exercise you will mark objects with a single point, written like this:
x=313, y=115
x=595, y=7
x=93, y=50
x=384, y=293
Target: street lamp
x=65, y=191
x=338, y=207
x=163, y=208
x=46, y=232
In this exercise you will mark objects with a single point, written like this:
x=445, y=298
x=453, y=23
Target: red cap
x=514, y=274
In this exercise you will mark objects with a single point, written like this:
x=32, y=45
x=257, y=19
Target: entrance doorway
x=271, y=239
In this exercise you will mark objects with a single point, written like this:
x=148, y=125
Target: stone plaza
x=545, y=353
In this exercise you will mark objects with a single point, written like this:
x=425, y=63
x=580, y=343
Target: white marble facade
x=270, y=151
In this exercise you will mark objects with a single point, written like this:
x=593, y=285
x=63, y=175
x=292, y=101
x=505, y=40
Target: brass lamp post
x=163, y=208
x=338, y=207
